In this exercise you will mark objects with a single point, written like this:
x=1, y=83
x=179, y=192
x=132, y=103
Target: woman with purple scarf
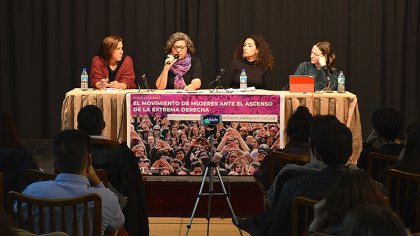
x=181, y=70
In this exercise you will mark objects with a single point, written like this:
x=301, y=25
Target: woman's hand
x=190, y=87
x=322, y=61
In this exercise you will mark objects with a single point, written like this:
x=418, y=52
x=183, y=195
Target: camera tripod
x=209, y=171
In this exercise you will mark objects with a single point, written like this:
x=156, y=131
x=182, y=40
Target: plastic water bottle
x=341, y=88
x=84, y=80
x=243, y=81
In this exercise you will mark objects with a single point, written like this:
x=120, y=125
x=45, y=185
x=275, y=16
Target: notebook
x=301, y=84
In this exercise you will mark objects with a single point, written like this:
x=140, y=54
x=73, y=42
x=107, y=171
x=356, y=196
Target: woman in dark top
x=14, y=158
x=110, y=68
x=181, y=69
x=321, y=64
x=254, y=55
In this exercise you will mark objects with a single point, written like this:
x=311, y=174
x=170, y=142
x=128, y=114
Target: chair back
x=376, y=162
x=401, y=185
x=302, y=214
x=277, y=160
x=42, y=215
x=32, y=176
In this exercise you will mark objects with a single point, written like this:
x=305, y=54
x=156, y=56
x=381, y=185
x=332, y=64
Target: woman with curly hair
x=181, y=69
x=254, y=55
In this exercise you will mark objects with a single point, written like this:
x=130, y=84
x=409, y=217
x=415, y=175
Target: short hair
x=265, y=57
x=177, y=37
x=108, y=46
x=327, y=49
x=91, y=120
x=71, y=148
x=316, y=122
x=297, y=128
x=333, y=142
x=196, y=164
x=387, y=122
x=8, y=133
x=372, y=220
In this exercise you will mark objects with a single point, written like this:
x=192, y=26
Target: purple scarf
x=180, y=68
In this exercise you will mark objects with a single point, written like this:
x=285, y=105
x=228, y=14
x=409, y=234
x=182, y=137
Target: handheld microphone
x=176, y=56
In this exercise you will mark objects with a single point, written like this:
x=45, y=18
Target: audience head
x=8, y=133
x=297, y=128
x=108, y=46
x=316, y=122
x=324, y=49
x=255, y=48
x=332, y=142
x=196, y=168
x=71, y=151
x=412, y=145
x=352, y=189
x=91, y=120
x=179, y=43
x=387, y=123
x=373, y=221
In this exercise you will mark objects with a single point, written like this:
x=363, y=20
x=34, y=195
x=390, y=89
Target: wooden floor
x=172, y=226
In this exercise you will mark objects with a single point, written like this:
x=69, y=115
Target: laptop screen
x=301, y=84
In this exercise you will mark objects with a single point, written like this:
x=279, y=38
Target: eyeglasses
x=175, y=47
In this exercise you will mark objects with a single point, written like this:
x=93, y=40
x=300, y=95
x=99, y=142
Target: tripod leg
x=200, y=193
x=227, y=199
x=211, y=191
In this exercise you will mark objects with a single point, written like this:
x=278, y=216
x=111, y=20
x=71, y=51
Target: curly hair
x=327, y=49
x=177, y=37
x=265, y=58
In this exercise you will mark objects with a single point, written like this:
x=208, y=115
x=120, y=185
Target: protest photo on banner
x=168, y=137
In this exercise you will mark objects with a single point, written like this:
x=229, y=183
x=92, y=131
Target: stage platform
x=175, y=196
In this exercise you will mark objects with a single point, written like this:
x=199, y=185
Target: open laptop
x=301, y=84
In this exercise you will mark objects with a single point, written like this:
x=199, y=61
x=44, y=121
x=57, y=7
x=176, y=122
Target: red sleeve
x=126, y=74
x=98, y=71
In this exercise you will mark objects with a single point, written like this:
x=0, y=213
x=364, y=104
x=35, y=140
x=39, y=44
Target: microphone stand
x=218, y=85
x=327, y=88
x=146, y=85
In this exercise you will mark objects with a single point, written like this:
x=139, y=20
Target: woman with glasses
x=181, y=69
x=254, y=55
x=110, y=68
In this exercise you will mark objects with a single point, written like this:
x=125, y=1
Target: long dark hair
x=8, y=133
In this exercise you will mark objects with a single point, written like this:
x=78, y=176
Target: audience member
x=297, y=131
x=110, y=68
x=372, y=220
x=181, y=69
x=332, y=144
x=386, y=124
x=15, y=159
x=350, y=190
x=254, y=56
x=122, y=166
x=77, y=177
x=410, y=156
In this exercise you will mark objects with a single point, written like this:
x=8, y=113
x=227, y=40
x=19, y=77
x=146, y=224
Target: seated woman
x=181, y=69
x=110, y=68
x=321, y=66
x=15, y=159
x=254, y=55
x=351, y=190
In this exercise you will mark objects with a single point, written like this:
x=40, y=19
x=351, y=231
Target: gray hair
x=177, y=37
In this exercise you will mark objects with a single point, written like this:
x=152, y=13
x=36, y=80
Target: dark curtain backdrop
x=44, y=45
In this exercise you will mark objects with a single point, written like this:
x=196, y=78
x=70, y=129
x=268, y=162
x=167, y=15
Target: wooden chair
x=277, y=160
x=302, y=214
x=376, y=162
x=41, y=215
x=32, y=176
